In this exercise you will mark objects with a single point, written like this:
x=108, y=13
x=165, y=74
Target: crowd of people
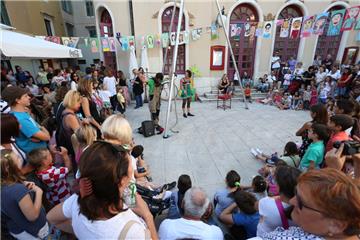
x=70, y=167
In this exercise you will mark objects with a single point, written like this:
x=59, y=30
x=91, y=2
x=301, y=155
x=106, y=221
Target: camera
x=350, y=147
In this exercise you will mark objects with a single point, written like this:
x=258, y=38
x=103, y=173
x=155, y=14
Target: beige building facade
x=148, y=19
x=39, y=18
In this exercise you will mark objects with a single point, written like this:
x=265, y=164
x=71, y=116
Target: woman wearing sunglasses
x=326, y=206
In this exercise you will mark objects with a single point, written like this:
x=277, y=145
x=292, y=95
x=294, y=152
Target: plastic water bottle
x=130, y=195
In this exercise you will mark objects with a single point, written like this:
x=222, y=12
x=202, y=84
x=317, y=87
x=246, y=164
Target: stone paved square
x=215, y=141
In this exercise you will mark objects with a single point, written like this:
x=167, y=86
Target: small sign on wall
x=217, y=57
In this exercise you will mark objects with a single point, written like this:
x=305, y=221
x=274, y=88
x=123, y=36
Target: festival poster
x=94, y=43
x=105, y=44
x=65, y=41
x=259, y=30
x=252, y=31
x=124, y=43
x=53, y=39
x=357, y=26
x=173, y=38
x=150, y=41
x=335, y=24
x=131, y=40
x=157, y=40
x=181, y=38
x=295, y=27
x=285, y=27
x=165, y=40
x=196, y=33
x=247, y=29
x=307, y=26
x=186, y=37
x=235, y=31
x=208, y=29
x=319, y=24
x=86, y=42
x=279, y=22
x=112, y=43
x=350, y=18
x=267, y=29
x=214, y=32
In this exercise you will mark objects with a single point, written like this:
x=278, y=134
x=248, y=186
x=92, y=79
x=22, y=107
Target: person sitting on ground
x=269, y=97
x=314, y=154
x=247, y=92
x=190, y=226
x=271, y=79
x=258, y=187
x=309, y=75
x=176, y=209
x=296, y=101
x=338, y=124
x=101, y=210
x=20, y=201
x=273, y=210
x=287, y=80
x=263, y=85
x=54, y=177
x=245, y=221
x=32, y=135
x=246, y=80
x=326, y=206
x=224, y=84
x=290, y=156
x=285, y=102
x=223, y=197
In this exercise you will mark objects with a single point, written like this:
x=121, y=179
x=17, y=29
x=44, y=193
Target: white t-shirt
x=33, y=89
x=110, y=83
x=102, y=229
x=275, y=62
x=335, y=75
x=269, y=216
x=105, y=95
x=58, y=80
x=320, y=77
x=184, y=228
x=73, y=85
x=271, y=78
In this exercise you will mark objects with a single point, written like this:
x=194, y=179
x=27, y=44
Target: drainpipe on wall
x=131, y=18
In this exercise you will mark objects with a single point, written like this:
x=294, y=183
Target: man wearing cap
x=32, y=135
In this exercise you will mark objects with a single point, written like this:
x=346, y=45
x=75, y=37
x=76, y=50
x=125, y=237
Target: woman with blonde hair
x=69, y=122
x=326, y=206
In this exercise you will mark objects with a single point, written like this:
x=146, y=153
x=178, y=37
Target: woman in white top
x=272, y=210
x=74, y=81
x=320, y=75
x=100, y=210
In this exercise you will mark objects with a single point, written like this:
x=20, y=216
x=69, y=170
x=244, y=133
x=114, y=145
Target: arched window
x=244, y=49
x=106, y=30
x=165, y=23
x=328, y=44
x=287, y=47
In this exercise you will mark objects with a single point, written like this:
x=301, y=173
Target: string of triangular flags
x=339, y=20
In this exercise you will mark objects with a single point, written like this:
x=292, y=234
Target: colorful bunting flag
x=285, y=27
x=214, y=32
x=319, y=23
x=196, y=33
x=357, y=25
x=165, y=40
x=105, y=44
x=295, y=27
x=94, y=43
x=53, y=39
x=335, y=22
x=259, y=30
x=307, y=26
x=112, y=43
x=150, y=41
x=350, y=18
x=131, y=40
x=172, y=38
x=157, y=40
x=235, y=31
x=124, y=43
x=267, y=29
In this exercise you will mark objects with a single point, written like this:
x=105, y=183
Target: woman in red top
x=344, y=82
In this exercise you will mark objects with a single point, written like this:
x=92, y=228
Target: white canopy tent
x=18, y=45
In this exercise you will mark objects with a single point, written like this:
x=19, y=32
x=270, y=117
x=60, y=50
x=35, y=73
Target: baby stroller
x=154, y=200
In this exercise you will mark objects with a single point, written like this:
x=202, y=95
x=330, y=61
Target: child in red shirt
x=247, y=91
x=338, y=124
